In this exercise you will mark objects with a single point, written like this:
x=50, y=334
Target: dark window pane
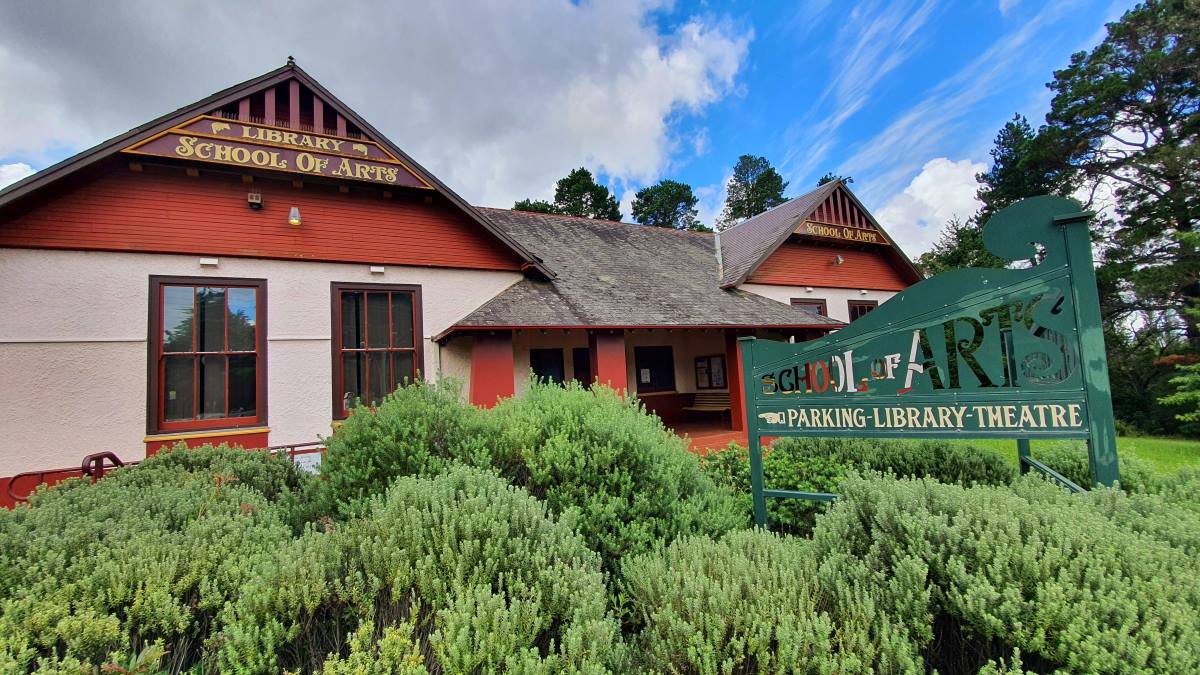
x=377, y=319
x=211, y=380
x=581, y=361
x=402, y=320
x=354, y=377
x=242, y=317
x=243, y=391
x=352, y=321
x=379, y=380
x=210, y=305
x=178, y=403
x=402, y=368
x=547, y=364
x=654, y=368
x=177, y=319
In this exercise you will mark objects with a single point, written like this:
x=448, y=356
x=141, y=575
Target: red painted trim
x=244, y=109
x=294, y=104
x=269, y=105
x=797, y=264
x=492, y=369
x=248, y=441
x=608, y=359
x=733, y=375
x=318, y=114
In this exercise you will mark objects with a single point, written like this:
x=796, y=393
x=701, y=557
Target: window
x=207, y=366
x=710, y=372
x=581, y=362
x=860, y=308
x=376, y=342
x=654, y=369
x=547, y=364
x=815, y=305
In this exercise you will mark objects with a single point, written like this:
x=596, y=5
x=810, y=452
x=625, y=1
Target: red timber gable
x=192, y=181
x=825, y=238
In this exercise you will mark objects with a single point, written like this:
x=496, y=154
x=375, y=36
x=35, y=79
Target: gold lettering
x=204, y=150
x=240, y=155
x=289, y=138
x=185, y=147
x=221, y=153
x=1076, y=418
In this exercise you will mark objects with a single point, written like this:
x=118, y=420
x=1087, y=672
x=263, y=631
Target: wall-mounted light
x=377, y=269
x=838, y=260
x=808, y=289
x=209, y=262
x=862, y=291
x=254, y=200
x=294, y=217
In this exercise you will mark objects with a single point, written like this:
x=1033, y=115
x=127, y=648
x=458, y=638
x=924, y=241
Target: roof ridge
x=779, y=206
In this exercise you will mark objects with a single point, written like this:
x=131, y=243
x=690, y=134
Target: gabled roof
x=289, y=71
x=745, y=246
x=623, y=275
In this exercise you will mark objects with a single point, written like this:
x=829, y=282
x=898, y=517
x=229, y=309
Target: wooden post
x=492, y=375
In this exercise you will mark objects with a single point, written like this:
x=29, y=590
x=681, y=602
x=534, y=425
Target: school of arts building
x=245, y=267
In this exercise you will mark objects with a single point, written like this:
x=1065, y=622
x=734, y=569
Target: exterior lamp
x=838, y=260
x=294, y=217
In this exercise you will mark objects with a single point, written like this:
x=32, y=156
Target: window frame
x=335, y=333
x=821, y=303
x=674, y=386
x=156, y=422
x=708, y=361
x=562, y=363
x=850, y=304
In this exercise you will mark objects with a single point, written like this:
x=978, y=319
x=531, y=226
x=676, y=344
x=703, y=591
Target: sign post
x=1009, y=353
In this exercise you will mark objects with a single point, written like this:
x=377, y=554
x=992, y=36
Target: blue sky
x=499, y=101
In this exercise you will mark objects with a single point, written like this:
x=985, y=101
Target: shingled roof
x=621, y=275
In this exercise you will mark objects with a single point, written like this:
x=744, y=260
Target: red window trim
x=850, y=305
x=155, y=424
x=804, y=302
x=335, y=330
x=724, y=370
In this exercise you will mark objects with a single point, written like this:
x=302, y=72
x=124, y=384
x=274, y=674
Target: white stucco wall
x=73, y=352
x=836, y=299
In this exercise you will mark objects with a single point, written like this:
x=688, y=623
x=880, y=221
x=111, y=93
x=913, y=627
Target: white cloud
x=712, y=200
x=499, y=100
x=1006, y=5
x=944, y=189
x=11, y=173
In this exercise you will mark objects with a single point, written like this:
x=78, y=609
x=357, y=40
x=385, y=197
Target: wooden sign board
x=258, y=146
x=1013, y=353
x=857, y=235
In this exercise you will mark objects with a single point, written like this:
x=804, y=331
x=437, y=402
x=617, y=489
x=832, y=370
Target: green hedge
x=145, y=558
x=627, y=480
x=1071, y=460
x=1031, y=568
x=753, y=602
x=459, y=573
x=819, y=464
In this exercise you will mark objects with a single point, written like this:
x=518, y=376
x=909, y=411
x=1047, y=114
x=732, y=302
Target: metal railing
x=97, y=464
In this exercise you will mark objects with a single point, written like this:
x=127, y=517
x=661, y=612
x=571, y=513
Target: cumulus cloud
x=11, y=173
x=498, y=100
x=944, y=189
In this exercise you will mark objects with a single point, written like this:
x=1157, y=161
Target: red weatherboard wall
x=796, y=264
x=492, y=374
x=162, y=210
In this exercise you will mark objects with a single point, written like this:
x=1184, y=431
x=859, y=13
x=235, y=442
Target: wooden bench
x=709, y=401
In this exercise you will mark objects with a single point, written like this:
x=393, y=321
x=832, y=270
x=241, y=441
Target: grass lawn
x=1165, y=455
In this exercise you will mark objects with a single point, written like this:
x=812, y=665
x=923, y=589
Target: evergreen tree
x=830, y=176
x=668, y=203
x=754, y=187
x=578, y=194
x=534, y=205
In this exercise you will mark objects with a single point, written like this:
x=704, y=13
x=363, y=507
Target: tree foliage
x=576, y=194
x=668, y=203
x=754, y=187
x=830, y=176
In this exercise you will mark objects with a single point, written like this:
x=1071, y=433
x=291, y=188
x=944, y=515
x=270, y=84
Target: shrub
x=1031, y=568
x=94, y=573
x=459, y=573
x=818, y=465
x=630, y=481
x=1071, y=460
x=752, y=603
x=418, y=430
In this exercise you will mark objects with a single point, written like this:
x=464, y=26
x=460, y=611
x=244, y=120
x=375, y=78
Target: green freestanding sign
x=1011, y=353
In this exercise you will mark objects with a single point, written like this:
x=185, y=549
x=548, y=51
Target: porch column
x=492, y=376
x=733, y=376
x=607, y=352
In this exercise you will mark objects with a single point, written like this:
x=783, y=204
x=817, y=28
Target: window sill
x=207, y=433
